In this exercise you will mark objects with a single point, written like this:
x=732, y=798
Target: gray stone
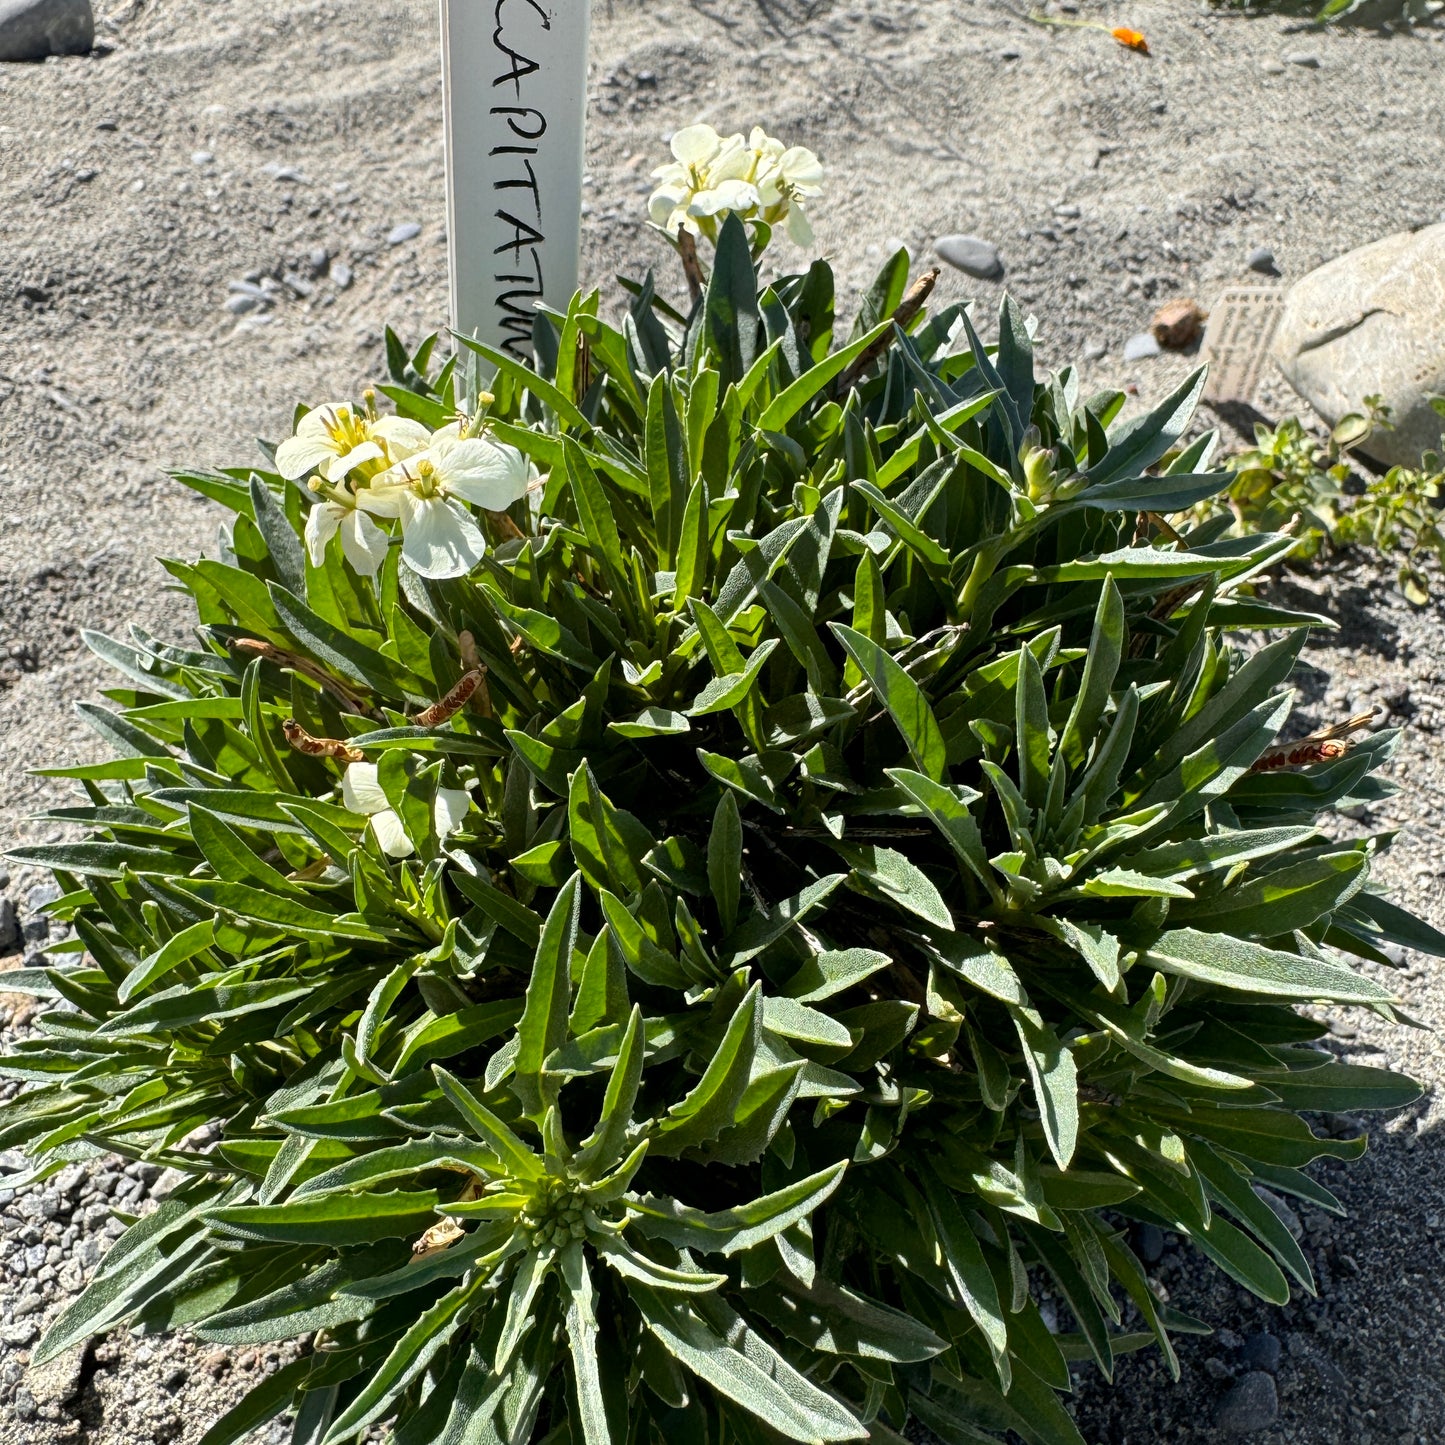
x=1305, y=58
x=40, y=895
x=1272, y=67
x=406, y=231
x=1253, y=1404
x=1149, y=1241
x=1261, y=259
x=1372, y=322
x=35, y=930
x=1009, y=52
x=341, y=275
x=1262, y=1352
x=1095, y=351
x=33, y=29
x=20, y=1335
x=201, y=158
x=9, y=928
x=971, y=255
x=240, y=304
x=1140, y=347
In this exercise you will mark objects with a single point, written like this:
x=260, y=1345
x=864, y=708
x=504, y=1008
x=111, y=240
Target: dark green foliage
x=867, y=908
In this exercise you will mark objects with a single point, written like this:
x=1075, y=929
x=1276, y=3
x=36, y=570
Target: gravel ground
x=221, y=154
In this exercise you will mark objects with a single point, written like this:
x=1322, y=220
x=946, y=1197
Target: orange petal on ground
x=1131, y=39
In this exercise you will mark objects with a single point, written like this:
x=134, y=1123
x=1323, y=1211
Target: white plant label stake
x=515, y=95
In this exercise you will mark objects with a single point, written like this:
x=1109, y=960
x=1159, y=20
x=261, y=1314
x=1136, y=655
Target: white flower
x=784, y=177
x=708, y=176
x=439, y=537
x=335, y=439
x=712, y=175
x=361, y=793
x=363, y=543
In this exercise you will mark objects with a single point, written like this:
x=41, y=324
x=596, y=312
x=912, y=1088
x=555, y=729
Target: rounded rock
x=406, y=231
x=1261, y=259
x=1253, y=1404
x=1140, y=347
x=972, y=255
x=33, y=29
x=1261, y=1351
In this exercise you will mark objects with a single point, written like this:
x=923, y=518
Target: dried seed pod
x=1177, y=324
x=1320, y=747
x=453, y=702
x=303, y=742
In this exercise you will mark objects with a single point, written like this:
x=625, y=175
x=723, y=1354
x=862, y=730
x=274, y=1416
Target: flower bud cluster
x=554, y=1215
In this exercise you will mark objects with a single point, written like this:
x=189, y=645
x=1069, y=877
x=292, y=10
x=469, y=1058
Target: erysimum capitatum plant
x=791, y=867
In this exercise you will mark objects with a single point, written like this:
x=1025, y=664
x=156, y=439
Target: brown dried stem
x=908, y=308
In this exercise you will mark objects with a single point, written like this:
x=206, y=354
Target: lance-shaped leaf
x=708, y=1107
x=543, y=1025
x=1055, y=1079
x=413, y=1352
x=518, y=1160
x=729, y=1231
x=738, y=1363
x=1237, y=963
x=581, y=1322
x=903, y=698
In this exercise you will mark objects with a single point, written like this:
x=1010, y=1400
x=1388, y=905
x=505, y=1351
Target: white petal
x=325, y=421
x=451, y=806
x=729, y=196
x=800, y=229
x=403, y=436
x=802, y=168
x=321, y=524
x=734, y=164
x=488, y=473
x=336, y=469
x=301, y=454
x=363, y=543
x=441, y=540
x=452, y=430
x=695, y=144
x=663, y=203
x=360, y=791
x=391, y=835
x=383, y=498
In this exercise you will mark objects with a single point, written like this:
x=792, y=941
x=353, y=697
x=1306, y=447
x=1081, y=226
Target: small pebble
x=105, y=125
x=239, y=305
x=201, y=158
x=1253, y=1404
x=1140, y=347
x=1305, y=58
x=1261, y=259
x=85, y=173
x=971, y=255
x=1095, y=351
x=317, y=259
x=1069, y=212
x=341, y=275
x=1149, y=1241
x=1262, y=1352
x=406, y=231
x=1009, y=52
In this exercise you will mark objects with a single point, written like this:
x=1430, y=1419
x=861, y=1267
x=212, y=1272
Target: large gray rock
x=1372, y=322
x=33, y=29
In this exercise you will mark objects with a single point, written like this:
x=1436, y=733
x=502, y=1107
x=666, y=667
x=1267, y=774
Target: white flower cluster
x=367, y=466
x=756, y=179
